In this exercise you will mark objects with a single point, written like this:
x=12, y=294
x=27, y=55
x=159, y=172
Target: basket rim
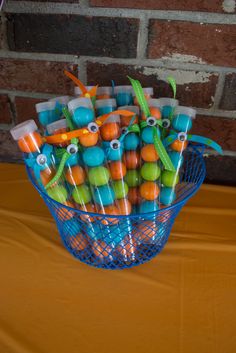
x=138, y=215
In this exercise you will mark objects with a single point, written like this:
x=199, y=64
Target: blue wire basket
x=118, y=242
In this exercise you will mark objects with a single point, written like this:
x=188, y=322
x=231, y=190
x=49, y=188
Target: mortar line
x=137, y=62
x=142, y=38
x=83, y=71
x=219, y=90
x=65, y=8
x=200, y=111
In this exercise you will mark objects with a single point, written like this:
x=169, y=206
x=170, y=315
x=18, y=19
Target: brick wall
x=193, y=40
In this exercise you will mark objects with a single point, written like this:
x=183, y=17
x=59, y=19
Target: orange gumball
x=110, y=210
x=149, y=190
x=125, y=120
x=89, y=140
x=178, y=145
x=146, y=231
x=154, y=111
x=134, y=196
x=117, y=170
x=103, y=96
x=128, y=247
x=88, y=207
x=78, y=242
x=149, y=153
x=75, y=175
x=124, y=206
x=31, y=142
x=101, y=249
x=46, y=175
x=131, y=159
x=110, y=131
x=63, y=213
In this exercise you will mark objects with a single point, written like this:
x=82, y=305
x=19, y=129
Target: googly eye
x=123, y=130
x=115, y=144
x=72, y=149
x=41, y=159
x=182, y=136
x=93, y=127
x=165, y=123
x=151, y=121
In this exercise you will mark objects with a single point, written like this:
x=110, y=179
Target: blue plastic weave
x=118, y=242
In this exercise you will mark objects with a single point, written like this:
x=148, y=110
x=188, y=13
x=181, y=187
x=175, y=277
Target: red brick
x=214, y=44
x=36, y=76
x=221, y=170
x=198, y=94
x=25, y=108
x=183, y=5
x=72, y=34
x=228, y=100
x=221, y=130
x=5, y=109
x=9, y=151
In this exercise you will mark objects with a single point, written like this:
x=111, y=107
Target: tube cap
x=118, y=89
x=59, y=124
x=80, y=102
x=63, y=99
x=78, y=92
x=130, y=108
x=42, y=107
x=105, y=103
x=23, y=129
x=185, y=110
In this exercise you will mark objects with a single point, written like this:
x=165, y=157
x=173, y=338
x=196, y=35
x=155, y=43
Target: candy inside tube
x=176, y=142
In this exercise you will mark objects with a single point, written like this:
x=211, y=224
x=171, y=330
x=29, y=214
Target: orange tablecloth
x=182, y=301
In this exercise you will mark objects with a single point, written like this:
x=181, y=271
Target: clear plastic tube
x=124, y=120
x=105, y=106
x=181, y=124
x=39, y=157
x=47, y=113
x=123, y=95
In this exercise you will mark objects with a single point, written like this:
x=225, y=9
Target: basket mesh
x=124, y=241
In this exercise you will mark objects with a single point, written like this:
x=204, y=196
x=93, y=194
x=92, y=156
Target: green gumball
x=150, y=171
x=132, y=178
x=81, y=194
x=98, y=176
x=120, y=188
x=169, y=179
x=58, y=193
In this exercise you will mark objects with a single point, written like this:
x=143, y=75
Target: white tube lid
x=44, y=106
x=23, y=129
x=80, y=102
x=63, y=99
x=104, y=90
x=105, y=103
x=113, y=118
x=130, y=108
x=154, y=103
x=165, y=101
x=119, y=89
x=185, y=110
x=146, y=90
x=57, y=125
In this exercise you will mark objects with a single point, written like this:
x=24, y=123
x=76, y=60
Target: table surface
x=182, y=301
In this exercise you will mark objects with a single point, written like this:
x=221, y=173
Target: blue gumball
x=147, y=134
x=182, y=122
x=47, y=117
x=124, y=98
x=71, y=227
x=94, y=231
x=131, y=141
x=82, y=116
x=73, y=160
x=176, y=158
x=113, y=235
x=93, y=156
x=104, y=195
x=166, y=111
x=148, y=206
x=167, y=196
